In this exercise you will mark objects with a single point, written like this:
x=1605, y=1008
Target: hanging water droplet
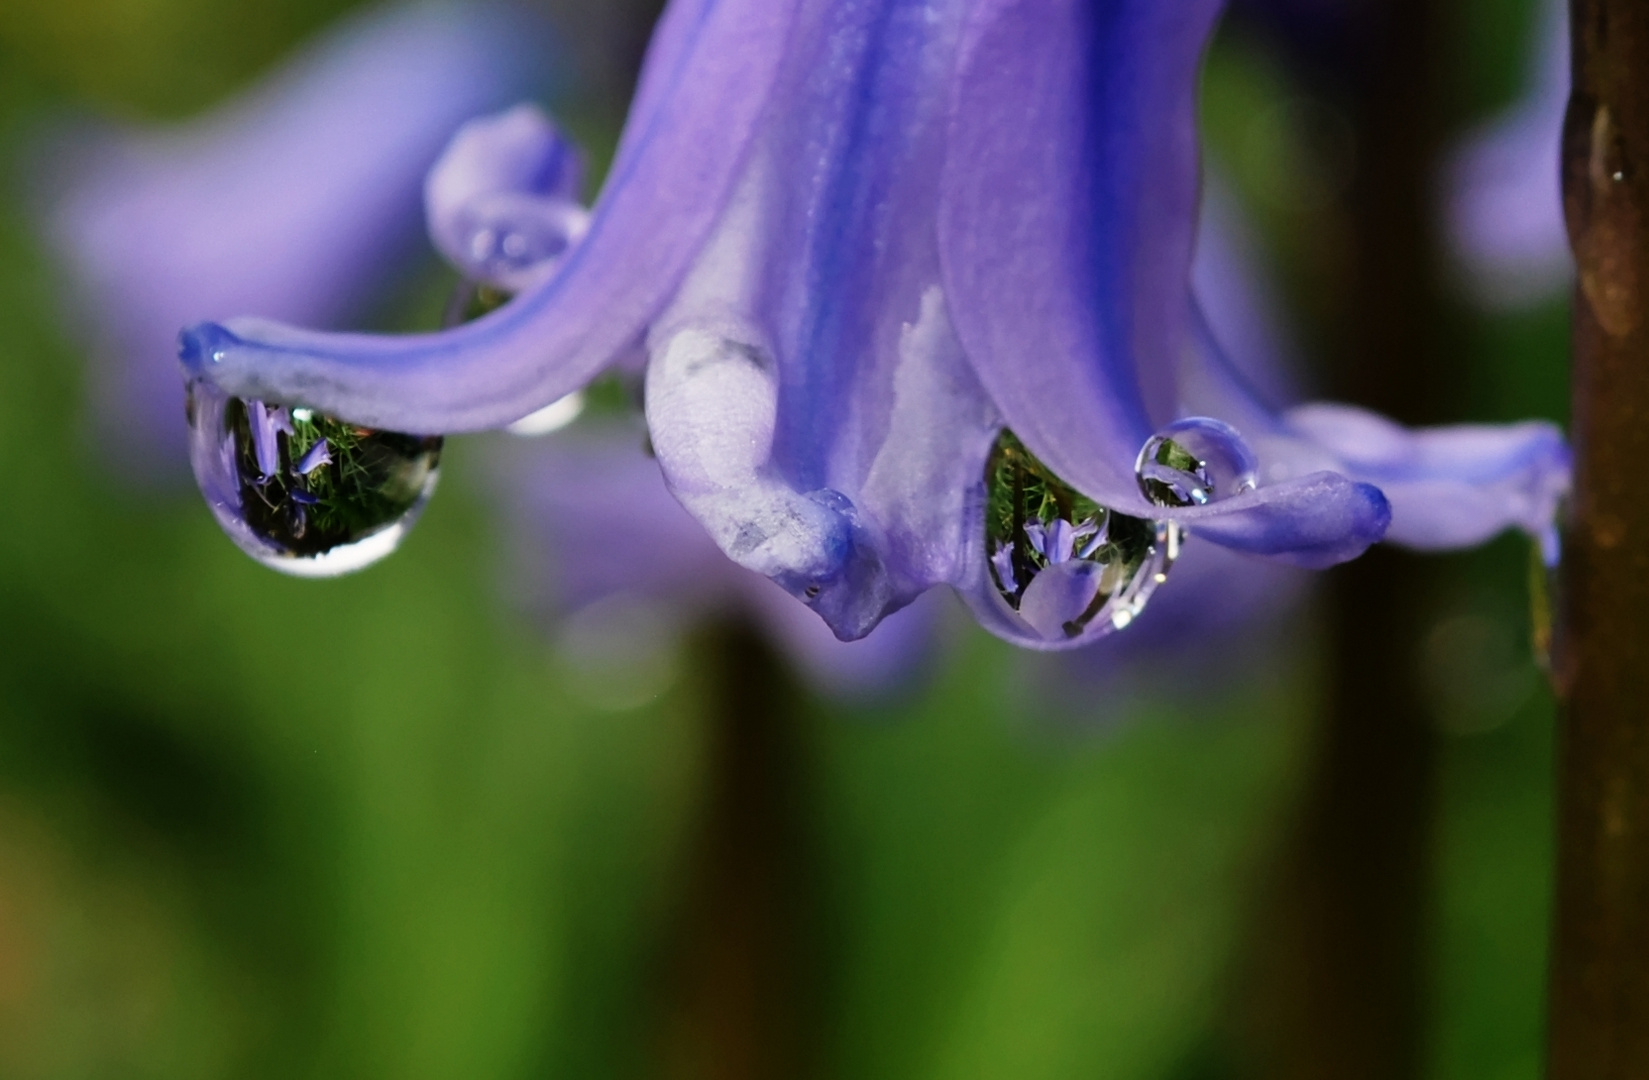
x=1195, y=461
x=513, y=240
x=1068, y=566
x=302, y=492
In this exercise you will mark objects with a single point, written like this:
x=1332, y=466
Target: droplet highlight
x=304, y=493
x=1194, y=462
x=1069, y=568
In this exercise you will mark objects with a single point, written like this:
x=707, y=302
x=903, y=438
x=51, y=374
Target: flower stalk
x=737, y=992
x=1600, y=947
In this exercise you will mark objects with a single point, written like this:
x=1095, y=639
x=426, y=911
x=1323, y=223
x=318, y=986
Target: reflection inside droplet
x=302, y=492
x=1195, y=461
x=1069, y=567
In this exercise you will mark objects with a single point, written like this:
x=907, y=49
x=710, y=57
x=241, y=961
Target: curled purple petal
x=265, y=424
x=313, y=458
x=1061, y=541
x=675, y=170
x=1446, y=487
x=1037, y=534
x=1449, y=487
x=298, y=200
x=502, y=201
x=1002, y=561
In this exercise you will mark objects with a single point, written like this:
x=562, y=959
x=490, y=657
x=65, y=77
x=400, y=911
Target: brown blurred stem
x=1340, y=983
x=736, y=990
x=1600, y=948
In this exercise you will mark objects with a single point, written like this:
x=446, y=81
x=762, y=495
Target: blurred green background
x=251, y=826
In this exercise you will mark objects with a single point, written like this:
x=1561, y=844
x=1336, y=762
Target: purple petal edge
x=664, y=196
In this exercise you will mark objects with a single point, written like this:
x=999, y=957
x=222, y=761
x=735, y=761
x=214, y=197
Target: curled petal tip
x=202, y=346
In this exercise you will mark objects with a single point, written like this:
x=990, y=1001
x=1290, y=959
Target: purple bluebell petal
x=313, y=458
x=1037, y=534
x=1058, y=596
x=807, y=396
x=1066, y=220
x=1447, y=487
x=502, y=201
x=1238, y=298
x=265, y=423
x=1061, y=541
x=1002, y=562
x=1093, y=538
x=297, y=201
x=665, y=193
x=1314, y=521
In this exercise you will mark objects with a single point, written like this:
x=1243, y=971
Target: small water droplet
x=1069, y=567
x=1194, y=462
x=514, y=240
x=302, y=492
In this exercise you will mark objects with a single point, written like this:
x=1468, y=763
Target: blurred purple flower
x=299, y=199
x=591, y=521
x=1503, y=191
x=857, y=242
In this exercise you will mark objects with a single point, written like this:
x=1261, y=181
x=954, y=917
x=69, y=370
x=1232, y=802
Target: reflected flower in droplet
x=304, y=493
x=1047, y=587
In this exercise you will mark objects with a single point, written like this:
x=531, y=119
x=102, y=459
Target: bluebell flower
x=298, y=199
x=317, y=455
x=874, y=251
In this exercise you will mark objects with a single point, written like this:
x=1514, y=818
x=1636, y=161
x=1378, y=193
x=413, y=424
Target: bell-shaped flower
x=910, y=277
x=298, y=199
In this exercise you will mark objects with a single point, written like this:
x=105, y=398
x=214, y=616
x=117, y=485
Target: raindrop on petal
x=515, y=240
x=1067, y=566
x=1194, y=462
x=302, y=492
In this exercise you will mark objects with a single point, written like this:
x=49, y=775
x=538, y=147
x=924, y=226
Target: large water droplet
x=304, y=493
x=1068, y=566
x=1194, y=462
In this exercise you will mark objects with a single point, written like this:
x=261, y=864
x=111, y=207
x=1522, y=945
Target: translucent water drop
x=302, y=492
x=1067, y=566
x=512, y=240
x=1195, y=461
